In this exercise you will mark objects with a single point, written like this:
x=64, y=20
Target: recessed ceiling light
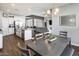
x=12, y=4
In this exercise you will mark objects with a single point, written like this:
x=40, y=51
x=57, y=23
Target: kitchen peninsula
x=33, y=25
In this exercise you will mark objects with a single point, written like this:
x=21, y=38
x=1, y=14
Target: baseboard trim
x=8, y=35
x=75, y=44
x=1, y=49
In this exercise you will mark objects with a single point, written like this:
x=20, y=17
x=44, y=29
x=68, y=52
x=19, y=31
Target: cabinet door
x=38, y=23
x=27, y=34
x=29, y=23
x=11, y=31
x=1, y=41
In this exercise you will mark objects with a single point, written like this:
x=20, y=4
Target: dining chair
x=39, y=36
x=63, y=34
x=69, y=51
x=24, y=51
x=46, y=35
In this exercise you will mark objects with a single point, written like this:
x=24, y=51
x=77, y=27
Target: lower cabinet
x=1, y=41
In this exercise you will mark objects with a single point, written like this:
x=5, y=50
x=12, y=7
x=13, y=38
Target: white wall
x=73, y=32
x=20, y=18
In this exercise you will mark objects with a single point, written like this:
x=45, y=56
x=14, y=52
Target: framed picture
x=67, y=20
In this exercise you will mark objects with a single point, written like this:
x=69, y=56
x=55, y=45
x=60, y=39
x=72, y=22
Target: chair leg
x=29, y=52
x=70, y=42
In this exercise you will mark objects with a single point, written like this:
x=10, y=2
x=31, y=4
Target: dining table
x=46, y=48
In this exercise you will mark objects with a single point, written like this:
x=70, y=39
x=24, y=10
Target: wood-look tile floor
x=76, y=53
x=11, y=46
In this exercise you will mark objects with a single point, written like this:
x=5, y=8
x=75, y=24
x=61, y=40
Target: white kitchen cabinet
x=1, y=41
x=18, y=33
x=6, y=22
x=11, y=31
x=28, y=34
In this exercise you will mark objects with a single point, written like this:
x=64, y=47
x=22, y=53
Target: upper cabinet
x=34, y=21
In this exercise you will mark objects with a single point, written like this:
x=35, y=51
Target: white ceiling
x=22, y=8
